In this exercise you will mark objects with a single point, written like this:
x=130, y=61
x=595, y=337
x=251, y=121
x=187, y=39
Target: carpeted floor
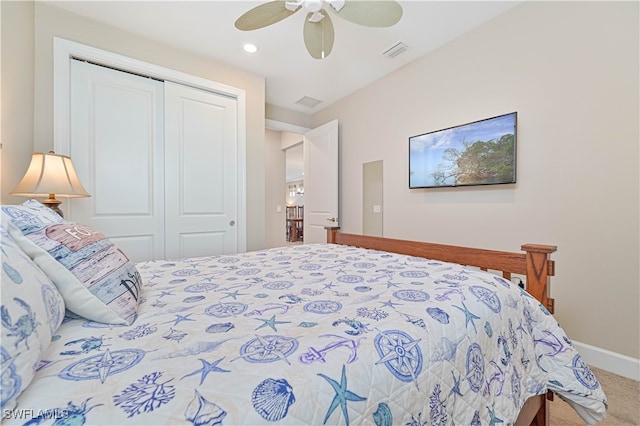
x=623, y=396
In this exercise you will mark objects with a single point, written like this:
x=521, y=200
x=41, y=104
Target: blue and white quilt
x=310, y=334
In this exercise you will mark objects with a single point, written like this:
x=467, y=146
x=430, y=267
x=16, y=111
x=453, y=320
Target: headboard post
x=539, y=269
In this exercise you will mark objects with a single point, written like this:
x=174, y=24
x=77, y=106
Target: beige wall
x=287, y=116
x=570, y=70
x=17, y=94
x=28, y=32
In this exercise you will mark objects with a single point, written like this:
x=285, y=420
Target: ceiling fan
x=318, y=30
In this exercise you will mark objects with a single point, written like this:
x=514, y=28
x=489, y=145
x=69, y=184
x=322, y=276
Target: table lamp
x=49, y=175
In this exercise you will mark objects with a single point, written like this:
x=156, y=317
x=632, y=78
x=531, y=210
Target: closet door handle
x=231, y=223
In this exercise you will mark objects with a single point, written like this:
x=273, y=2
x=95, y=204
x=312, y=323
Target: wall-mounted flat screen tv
x=478, y=153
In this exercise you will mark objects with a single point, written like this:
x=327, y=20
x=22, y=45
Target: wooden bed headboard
x=534, y=263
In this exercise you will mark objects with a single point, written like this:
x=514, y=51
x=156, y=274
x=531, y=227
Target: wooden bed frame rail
x=534, y=264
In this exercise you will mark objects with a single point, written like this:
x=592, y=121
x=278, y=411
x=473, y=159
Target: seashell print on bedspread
x=309, y=334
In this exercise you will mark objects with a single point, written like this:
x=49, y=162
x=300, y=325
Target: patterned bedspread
x=311, y=334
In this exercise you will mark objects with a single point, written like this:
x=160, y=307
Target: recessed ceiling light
x=250, y=48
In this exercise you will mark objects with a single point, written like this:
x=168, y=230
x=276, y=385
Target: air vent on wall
x=395, y=50
x=308, y=102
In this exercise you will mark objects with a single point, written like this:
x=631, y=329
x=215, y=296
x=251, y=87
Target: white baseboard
x=621, y=365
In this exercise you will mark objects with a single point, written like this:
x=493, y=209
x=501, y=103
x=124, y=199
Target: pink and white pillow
x=95, y=278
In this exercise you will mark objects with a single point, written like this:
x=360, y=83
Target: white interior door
x=116, y=143
x=200, y=172
x=320, y=147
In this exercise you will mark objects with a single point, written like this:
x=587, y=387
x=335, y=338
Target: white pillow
x=96, y=280
x=29, y=215
x=32, y=310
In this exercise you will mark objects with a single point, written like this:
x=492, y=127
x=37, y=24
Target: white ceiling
x=207, y=28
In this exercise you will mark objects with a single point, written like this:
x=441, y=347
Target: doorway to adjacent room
x=294, y=216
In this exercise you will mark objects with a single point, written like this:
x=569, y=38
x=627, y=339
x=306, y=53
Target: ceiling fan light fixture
x=313, y=5
x=318, y=32
x=316, y=17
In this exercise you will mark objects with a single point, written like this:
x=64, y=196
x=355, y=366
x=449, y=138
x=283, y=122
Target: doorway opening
x=294, y=216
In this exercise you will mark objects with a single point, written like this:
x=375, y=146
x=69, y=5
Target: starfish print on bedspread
x=390, y=304
x=207, y=367
x=469, y=317
x=271, y=322
x=180, y=318
x=233, y=294
x=341, y=397
x=455, y=389
x=493, y=418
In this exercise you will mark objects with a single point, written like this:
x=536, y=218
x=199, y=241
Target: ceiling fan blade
x=264, y=15
x=318, y=36
x=371, y=13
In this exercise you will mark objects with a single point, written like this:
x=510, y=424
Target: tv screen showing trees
x=478, y=153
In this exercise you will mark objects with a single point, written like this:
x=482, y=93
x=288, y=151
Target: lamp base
x=53, y=204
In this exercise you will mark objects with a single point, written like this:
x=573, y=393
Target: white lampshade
x=50, y=174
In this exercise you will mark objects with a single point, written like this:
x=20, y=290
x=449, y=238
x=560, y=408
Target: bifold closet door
x=201, y=158
x=160, y=161
x=117, y=148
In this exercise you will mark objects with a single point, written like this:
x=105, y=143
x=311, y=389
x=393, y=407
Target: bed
x=360, y=330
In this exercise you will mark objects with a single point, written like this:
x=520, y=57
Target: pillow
x=32, y=309
x=30, y=215
x=96, y=280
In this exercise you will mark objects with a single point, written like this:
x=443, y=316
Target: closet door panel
x=195, y=244
x=116, y=143
x=202, y=151
x=122, y=150
x=200, y=172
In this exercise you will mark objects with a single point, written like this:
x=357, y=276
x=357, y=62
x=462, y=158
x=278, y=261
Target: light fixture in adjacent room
x=49, y=175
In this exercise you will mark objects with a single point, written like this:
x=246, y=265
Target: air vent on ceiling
x=308, y=102
x=395, y=50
